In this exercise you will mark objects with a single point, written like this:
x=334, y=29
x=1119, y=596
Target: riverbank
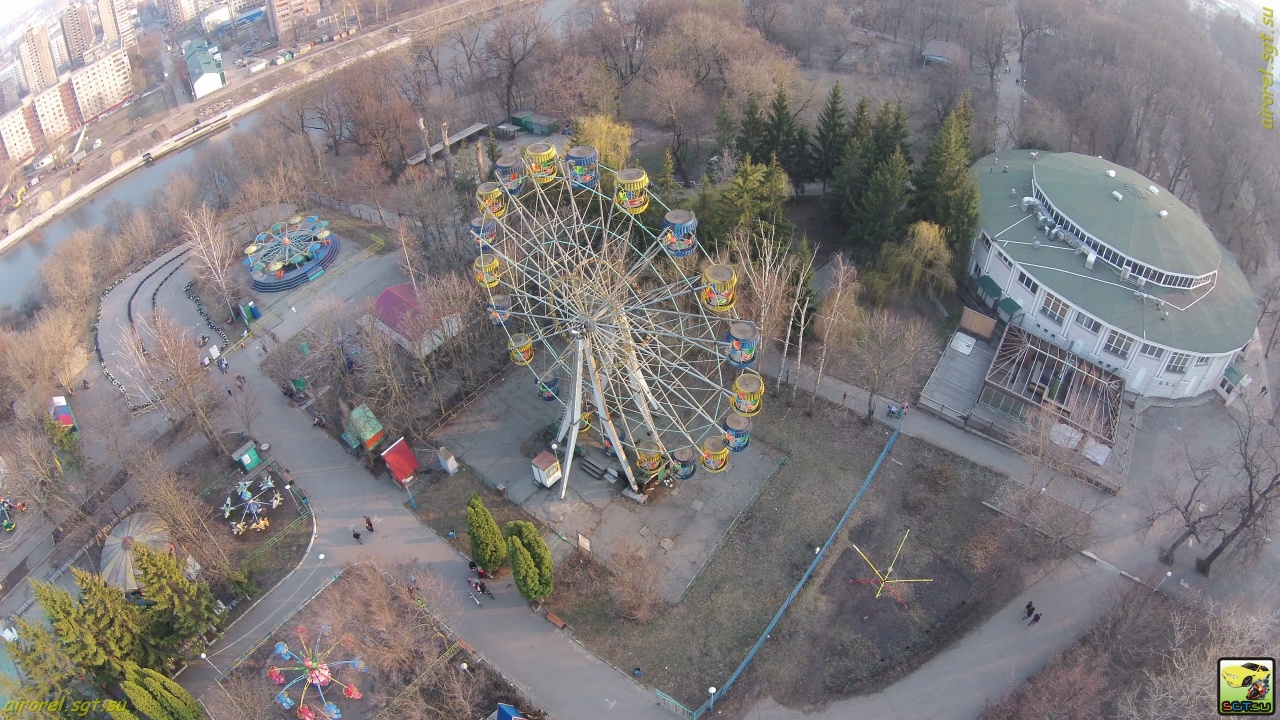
x=434, y=19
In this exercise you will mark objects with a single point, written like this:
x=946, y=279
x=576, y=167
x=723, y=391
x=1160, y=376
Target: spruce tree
x=488, y=549
x=884, y=214
x=142, y=701
x=779, y=128
x=173, y=697
x=890, y=134
x=858, y=126
x=829, y=137
x=946, y=194
x=100, y=631
x=751, y=131
x=849, y=183
x=726, y=127
x=800, y=157
x=182, y=609
x=667, y=185
x=42, y=660
x=530, y=541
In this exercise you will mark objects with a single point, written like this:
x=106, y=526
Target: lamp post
x=712, y=690
x=1168, y=574
x=205, y=658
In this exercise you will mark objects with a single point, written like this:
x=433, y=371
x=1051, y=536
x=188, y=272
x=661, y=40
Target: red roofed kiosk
x=401, y=463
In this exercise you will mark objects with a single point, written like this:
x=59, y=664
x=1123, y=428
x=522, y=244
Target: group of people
x=1031, y=613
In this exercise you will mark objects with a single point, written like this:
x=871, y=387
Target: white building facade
x=102, y=85
x=1098, y=260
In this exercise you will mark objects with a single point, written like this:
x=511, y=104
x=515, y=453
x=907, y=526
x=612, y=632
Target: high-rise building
x=117, y=23
x=102, y=85
x=58, y=48
x=287, y=18
x=10, y=86
x=77, y=30
x=51, y=110
x=18, y=136
x=38, y=69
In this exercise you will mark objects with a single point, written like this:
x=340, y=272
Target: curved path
x=551, y=670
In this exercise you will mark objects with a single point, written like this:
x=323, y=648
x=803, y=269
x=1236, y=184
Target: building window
x=1178, y=362
x=1203, y=360
x=986, y=241
x=1028, y=283
x=1088, y=323
x=1005, y=259
x=1150, y=351
x=1118, y=344
x=1054, y=308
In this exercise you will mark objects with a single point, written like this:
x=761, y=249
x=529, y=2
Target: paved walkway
x=552, y=670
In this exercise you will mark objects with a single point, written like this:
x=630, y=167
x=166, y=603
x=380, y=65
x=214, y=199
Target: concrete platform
x=679, y=528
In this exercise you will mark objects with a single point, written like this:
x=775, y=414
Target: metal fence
x=666, y=700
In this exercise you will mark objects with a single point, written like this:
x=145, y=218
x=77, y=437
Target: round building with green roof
x=1099, y=260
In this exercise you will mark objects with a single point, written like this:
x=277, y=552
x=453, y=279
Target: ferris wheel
x=631, y=328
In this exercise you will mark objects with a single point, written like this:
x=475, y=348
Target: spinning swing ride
x=290, y=253
x=630, y=329
x=315, y=670
x=252, y=506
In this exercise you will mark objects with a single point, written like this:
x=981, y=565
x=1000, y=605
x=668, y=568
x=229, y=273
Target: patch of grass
x=363, y=233
x=823, y=647
x=442, y=506
x=268, y=567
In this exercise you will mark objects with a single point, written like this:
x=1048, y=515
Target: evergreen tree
x=488, y=549
x=100, y=632
x=43, y=662
x=172, y=697
x=883, y=212
x=858, y=126
x=751, y=131
x=757, y=193
x=785, y=139
x=668, y=188
x=779, y=128
x=116, y=711
x=726, y=128
x=491, y=150
x=182, y=609
x=523, y=570
x=829, y=138
x=525, y=536
x=849, y=182
x=946, y=194
x=889, y=133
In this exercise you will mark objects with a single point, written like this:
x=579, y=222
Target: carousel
x=290, y=253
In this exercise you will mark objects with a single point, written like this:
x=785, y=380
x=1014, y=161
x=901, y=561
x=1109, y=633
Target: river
x=19, y=265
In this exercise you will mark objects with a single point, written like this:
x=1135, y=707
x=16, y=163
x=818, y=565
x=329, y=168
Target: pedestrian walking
x=1031, y=610
x=368, y=523
x=356, y=534
x=86, y=386
x=228, y=388
x=1034, y=619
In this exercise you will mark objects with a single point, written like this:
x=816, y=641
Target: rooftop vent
x=1164, y=213
x=1036, y=243
x=1153, y=189
x=1006, y=169
x=1089, y=260
x=1116, y=194
x=1111, y=173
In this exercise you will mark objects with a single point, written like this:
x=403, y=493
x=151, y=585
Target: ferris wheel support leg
x=572, y=417
x=607, y=423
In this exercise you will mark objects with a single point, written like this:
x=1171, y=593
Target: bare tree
x=247, y=406
x=170, y=363
x=1035, y=18
x=33, y=471
x=186, y=516
x=837, y=315
x=769, y=270
x=993, y=37
x=636, y=584
x=1255, y=492
x=214, y=255
x=67, y=274
x=510, y=45
x=1195, y=496
x=886, y=354
x=1175, y=684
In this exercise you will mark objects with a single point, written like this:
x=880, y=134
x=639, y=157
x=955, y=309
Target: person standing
x=1034, y=619
x=368, y=523
x=1031, y=610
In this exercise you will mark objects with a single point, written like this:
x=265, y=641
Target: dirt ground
x=822, y=649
